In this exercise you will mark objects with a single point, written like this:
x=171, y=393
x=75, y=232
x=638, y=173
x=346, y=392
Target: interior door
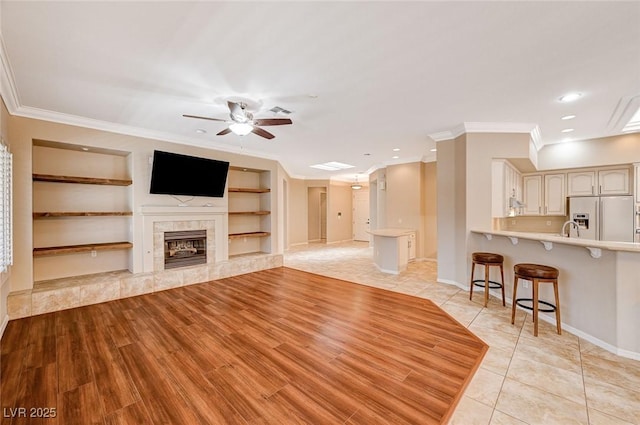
x=361, y=215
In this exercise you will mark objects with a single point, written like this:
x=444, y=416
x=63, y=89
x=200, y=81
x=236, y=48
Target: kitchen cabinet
x=613, y=182
x=598, y=182
x=506, y=184
x=581, y=183
x=555, y=199
x=532, y=194
x=544, y=194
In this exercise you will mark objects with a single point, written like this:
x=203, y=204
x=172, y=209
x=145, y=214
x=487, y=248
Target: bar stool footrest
x=492, y=284
x=551, y=308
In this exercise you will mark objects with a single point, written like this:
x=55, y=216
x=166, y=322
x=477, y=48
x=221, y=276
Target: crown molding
x=61, y=118
x=491, y=127
x=622, y=113
x=8, y=89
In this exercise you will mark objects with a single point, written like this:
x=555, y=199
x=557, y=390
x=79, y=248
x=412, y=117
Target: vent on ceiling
x=279, y=110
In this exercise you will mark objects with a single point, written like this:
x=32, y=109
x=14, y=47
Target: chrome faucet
x=576, y=225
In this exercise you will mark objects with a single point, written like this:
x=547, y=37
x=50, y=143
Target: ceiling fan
x=243, y=123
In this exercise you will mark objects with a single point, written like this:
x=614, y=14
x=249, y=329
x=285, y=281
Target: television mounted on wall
x=175, y=174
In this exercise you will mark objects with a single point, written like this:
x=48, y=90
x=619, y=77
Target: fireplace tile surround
x=60, y=294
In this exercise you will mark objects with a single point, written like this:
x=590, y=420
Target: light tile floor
x=551, y=379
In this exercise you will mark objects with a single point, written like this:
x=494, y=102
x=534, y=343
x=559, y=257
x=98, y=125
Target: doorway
x=361, y=222
x=317, y=214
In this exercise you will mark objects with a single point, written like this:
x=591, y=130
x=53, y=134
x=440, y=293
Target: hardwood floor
x=279, y=346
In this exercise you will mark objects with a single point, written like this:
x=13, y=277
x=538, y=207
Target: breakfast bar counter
x=391, y=249
x=599, y=282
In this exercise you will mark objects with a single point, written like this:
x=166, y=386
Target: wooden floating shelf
x=248, y=235
x=249, y=212
x=248, y=190
x=83, y=180
x=82, y=214
x=75, y=249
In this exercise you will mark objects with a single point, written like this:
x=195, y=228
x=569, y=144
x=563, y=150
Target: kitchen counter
x=391, y=249
x=556, y=238
x=599, y=282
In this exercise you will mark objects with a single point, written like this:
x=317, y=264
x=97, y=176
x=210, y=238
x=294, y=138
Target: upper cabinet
x=506, y=184
x=613, y=182
x=544, y=194
x=598, y=182
x=532, y=194
x=581, y=183
x=554, y=194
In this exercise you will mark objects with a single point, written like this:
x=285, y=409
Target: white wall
x=465, y=192
x=615, y=150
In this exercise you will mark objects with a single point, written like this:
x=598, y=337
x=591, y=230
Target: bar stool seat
x=486, y=259
x=536, y=273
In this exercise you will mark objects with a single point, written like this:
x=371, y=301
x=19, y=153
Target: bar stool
x=536, y=273
x=486, y=259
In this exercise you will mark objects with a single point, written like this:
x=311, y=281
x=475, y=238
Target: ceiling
x=361, y=78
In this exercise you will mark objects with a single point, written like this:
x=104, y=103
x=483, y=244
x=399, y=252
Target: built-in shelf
x=249, y=212
x=82, y=180
x=74, y=249
x=248, y=235
x=248, y=190
x=37, y=215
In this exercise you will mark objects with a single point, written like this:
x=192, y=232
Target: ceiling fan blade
x=272, y=121
x=202, y=118
x=262, y=133
x=237, y=113
x=223, y=132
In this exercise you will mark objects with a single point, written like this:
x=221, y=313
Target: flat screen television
x=175, y=174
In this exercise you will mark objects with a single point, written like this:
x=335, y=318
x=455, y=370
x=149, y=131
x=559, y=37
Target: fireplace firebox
x=185, y=248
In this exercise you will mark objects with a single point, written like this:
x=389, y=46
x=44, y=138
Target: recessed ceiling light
x=567, y=130
x=433, y=150
x=367, y=154
x=570, y=97
x=568, y=117
x=85, y=149
x=201, y=131
x=396, y=149
x=313, y=95
x=395, y=157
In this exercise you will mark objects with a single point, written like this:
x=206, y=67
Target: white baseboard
x=298, y=244
x=452, y=282
x=551, y=319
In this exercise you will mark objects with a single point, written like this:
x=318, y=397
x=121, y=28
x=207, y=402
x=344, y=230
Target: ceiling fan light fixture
x=240, y=128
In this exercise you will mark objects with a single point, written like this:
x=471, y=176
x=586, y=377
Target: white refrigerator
x=604, y=218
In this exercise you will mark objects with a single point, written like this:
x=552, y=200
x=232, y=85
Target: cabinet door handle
x=600, y=190
x=592, y=190
x=539, y=210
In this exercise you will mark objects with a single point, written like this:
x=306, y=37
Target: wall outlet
x=94, y=253
x=513, y=222
x=525, y=284
x=399, y=221
x=548, y=222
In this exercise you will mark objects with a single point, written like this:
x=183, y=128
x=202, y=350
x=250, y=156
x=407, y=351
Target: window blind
x=6, y=228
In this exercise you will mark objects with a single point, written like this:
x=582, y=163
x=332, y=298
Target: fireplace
x=185, y=248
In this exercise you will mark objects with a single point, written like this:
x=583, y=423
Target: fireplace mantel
x=180, y=211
